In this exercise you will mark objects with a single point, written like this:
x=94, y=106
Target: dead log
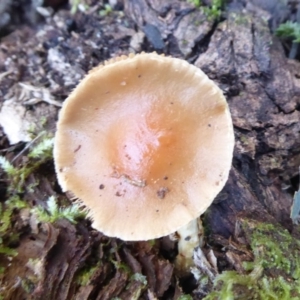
x=241, y=54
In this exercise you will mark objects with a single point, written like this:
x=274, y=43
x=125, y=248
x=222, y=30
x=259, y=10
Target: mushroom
x=145, y=142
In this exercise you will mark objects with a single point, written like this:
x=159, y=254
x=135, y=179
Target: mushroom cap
x=146, y=143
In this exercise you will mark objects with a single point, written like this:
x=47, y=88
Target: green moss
x=32, y=186
x=7, y=235
x=196, y=3
x=274, y=273
x=137, y=285
x=75, y=4
x=28, y=285
x=244, y=139
x=37, y=156
x=271, y=252
x=106, y=10
x=213, y=11
x=43, y=121
x=84, y=276
x=54, y=212
x=289, y=30
x=151, y=243
x=16, y=177
x=43, y=150
x=140, y=278
x=120, y=266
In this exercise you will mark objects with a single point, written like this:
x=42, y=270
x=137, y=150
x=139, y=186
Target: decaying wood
x=262, y=87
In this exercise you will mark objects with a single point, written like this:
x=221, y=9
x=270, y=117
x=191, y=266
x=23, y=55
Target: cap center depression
x=144, y=144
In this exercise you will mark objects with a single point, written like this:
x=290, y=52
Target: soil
x=42, y=59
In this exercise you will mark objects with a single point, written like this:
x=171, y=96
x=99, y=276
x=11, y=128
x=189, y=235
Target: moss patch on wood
x=275, y=271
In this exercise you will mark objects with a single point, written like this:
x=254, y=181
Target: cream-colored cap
x=146, y=143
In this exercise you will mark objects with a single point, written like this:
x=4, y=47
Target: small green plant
x=106, y=11
x=74, y=6
x=140, y=278
x=17, y=176
x=120, y=266
x=7, y=167
x=213, y=12
x=43, y=149
x=196, y=3
x=54, y=212
x=6, y=232
x=289, y=30
x=85, y=275
x=138, y=289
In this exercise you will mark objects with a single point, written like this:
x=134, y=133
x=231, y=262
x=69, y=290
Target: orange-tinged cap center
x=141, y=147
